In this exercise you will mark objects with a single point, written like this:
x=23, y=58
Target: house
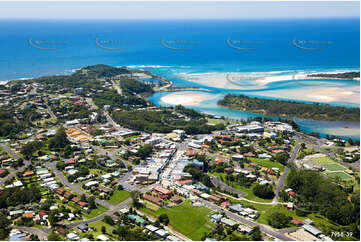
x=62, y=231
x=228, y=170
x=83, y=227
x=28, y=173
x=216, y=198
x=297, y=222
x=28, y=215
x=216, y=217
x=191, y=153
x=236, y=208
x=72, y=236
x=228, y=222
x=60, y=191
x=151, y=228
x=68, y=195
x=226, y=203
x=153, y=199
x=163, y=193
x=176, y=199
x=3, y=172
x=245, y=229
x=102, y=237
x=185, y=182
x=137, y=219
x=162, y=233
x=83, y=204
x=312, y=230
x=75, y=199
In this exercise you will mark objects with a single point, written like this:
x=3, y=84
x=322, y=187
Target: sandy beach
x=187, y=98
x=246, y=80
x=319, y=94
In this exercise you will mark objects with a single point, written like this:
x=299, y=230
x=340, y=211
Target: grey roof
x=312, y=230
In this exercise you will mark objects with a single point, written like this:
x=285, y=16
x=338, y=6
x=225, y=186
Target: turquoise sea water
x=193, y=53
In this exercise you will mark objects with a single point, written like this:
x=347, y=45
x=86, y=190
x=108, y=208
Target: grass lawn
x=119, y=196
x=246, y=190
x=340, y=174
x=278, y=208
x=95, y=212
x=323, y=160
x=151, y=206
x=267, y=163
x=98, y=227
x=334, y=167
x=188, y=220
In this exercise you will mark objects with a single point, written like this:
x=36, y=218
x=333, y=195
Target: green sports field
x=185, y=218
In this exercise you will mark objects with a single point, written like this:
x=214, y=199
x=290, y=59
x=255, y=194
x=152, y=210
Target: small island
x=353, y=75
x=283, y=108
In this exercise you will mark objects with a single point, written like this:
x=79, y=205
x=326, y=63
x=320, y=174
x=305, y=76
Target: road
x=117, y=88
x=265, y=229
x=285, y=172
x=218, y=183
x=12, y=173
x=76, y=188
x=114, y=209
x=31, y=230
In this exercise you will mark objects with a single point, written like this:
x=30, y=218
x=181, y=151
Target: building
x=163, y=193
x=153, y=199
x=245, y=229
x=312, y=230
x=228, y=222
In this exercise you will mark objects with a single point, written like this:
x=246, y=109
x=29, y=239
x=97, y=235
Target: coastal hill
x=283, y=108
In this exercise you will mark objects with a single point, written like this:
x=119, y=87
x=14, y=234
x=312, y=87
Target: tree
x=278, y=220
x=256, y=235
x=91, y=202
x=103, y=229
x=54, y=237
x=263, y=191
x=108, y=220
x=163, y=218
x=4, y=226
x=52, y=217
x=59, y=140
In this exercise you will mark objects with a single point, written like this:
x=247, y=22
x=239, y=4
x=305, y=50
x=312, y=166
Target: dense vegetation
x=115, y=100
x=319, y=194
x=314, y=111
x=9, y=126
x=162, y=122
x=345, y=75
x=14, y=196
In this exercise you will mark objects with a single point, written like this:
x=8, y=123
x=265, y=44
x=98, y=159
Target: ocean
x=197, y=53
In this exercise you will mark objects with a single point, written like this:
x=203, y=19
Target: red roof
x=2, y=171
x=28, y=215
x=219, y=161
x=72, y=161
x=291, y=193
x=162, y=190
x=191, y=152
x=225, y=203
x=252, y=164
x=185, y=182
x=297, y=222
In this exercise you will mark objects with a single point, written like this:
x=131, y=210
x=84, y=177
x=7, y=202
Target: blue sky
x=177, y=10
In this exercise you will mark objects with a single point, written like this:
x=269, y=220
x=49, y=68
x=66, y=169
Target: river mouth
x=333, y=95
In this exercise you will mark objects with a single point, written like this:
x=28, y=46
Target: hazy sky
x=177, y=10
